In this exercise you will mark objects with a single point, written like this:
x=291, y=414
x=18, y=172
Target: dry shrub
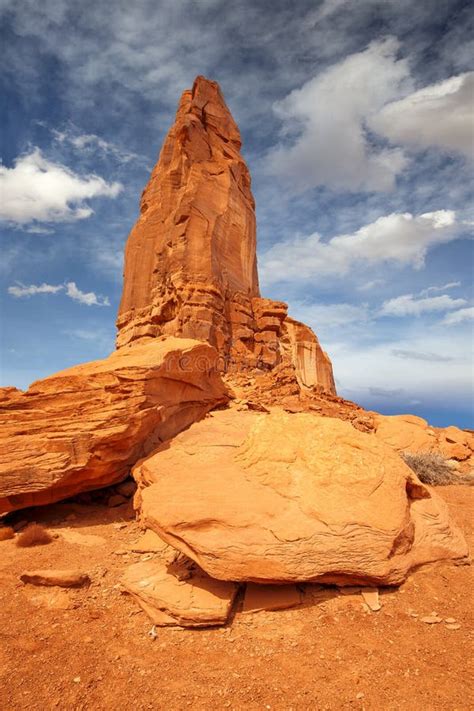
x=33, y=535
x=432, y=469
x=6, y=532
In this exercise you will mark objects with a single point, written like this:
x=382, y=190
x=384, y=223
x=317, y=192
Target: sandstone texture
x=408, y=433
x=197, y=601
x=280, y=498
x=84, y=427
x=190, y=261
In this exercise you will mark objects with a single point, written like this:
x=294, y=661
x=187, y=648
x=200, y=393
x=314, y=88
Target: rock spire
x=190, y=260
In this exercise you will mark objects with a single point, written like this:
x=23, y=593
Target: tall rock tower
x=190, y=260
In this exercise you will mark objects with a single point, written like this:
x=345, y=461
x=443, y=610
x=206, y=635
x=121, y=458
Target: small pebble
x=457, y=626
x=77, y=680
x=450, y=620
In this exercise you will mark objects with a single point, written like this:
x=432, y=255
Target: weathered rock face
x=190, y=261
x=408, y=433
x=291, y=498
x=84, y=427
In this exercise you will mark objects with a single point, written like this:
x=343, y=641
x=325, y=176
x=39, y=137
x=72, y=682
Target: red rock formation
x=84, y=427
x=190, y=261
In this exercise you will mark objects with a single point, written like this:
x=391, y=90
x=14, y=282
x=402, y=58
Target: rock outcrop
x=190, y=261
x=84, y=427
x=279, y=498
x=409, y=433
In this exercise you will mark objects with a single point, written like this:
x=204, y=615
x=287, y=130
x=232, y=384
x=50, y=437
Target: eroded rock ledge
x=83, y=428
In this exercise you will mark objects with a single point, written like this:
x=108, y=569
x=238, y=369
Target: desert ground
x=94, y=648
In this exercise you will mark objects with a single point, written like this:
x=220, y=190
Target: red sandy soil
x=91, y=648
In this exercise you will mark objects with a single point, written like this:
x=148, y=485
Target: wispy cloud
x=410, y=305
x=69, y=288
x=36, y=189
x=398, y=238
x=20, y=290
x=94, y=144
x=417, y=355
x=444, y=287
x=458, y=317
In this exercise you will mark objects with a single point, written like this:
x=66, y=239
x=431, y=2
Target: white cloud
x=439, y=115
x=444, y=287
x=20, y=290
x=331, y=111
x=409, y=305
x=88, y=298
x=38, y=189
x=70, y=288
x=398, y=238
x=460, y=316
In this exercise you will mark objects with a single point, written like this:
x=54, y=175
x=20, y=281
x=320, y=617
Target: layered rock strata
x=190, y=260
x=84, y=427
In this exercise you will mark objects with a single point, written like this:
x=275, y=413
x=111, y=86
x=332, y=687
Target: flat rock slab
x=82, y=539
x=198, y=601
x=270, y=597
x=60, y=578
x=280, y=498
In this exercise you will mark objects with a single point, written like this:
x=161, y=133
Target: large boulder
x=290, y=498
x=84, y=427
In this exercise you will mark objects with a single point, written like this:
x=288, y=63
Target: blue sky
x=356, y=117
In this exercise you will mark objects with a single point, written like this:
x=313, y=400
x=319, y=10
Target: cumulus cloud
x=460, y=316
x=38, y=189
x=402, y=239
x=69, y=288
x=331, y=111
x=409, y=305
x=438, y=115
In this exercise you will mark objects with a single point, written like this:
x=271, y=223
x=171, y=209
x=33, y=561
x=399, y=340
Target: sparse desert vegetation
x=34, y=535
x=432, y=469
x=6, y=532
